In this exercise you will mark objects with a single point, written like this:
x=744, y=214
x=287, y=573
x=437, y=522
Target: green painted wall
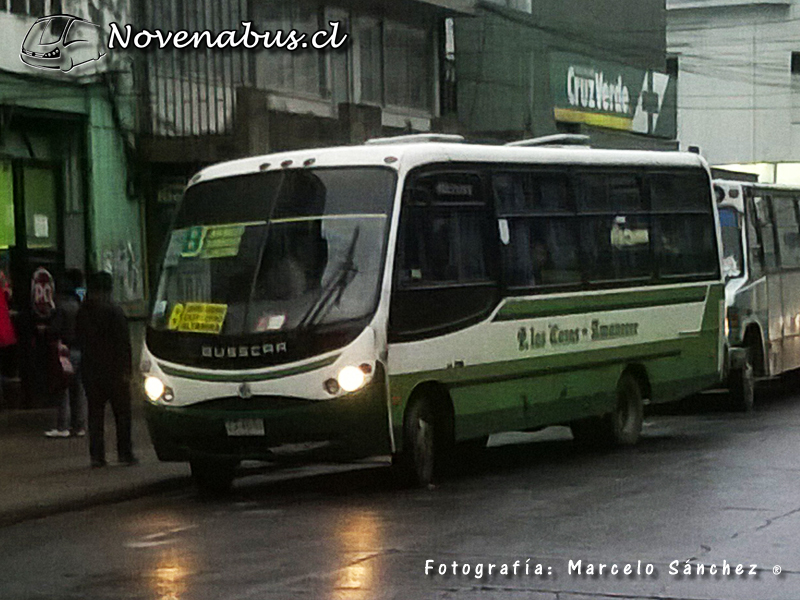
x=114, y=225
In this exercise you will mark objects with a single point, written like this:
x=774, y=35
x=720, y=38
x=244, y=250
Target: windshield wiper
x=331, y=295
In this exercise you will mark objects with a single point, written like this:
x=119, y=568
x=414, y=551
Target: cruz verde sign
x=612, y=95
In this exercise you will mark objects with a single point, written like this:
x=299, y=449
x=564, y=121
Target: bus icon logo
x=62, y=42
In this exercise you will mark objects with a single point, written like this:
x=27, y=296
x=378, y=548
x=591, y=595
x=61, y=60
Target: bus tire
x=741, y=386
x=624, y=423
x=421, y=459
x=620, y=427
x=213, y=476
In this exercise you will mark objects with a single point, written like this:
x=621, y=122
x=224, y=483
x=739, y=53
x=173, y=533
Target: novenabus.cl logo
x=62, y=42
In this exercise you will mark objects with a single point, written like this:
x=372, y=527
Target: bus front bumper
x=273, y=428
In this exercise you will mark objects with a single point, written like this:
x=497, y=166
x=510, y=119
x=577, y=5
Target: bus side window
x=683, y=225
x=755, y=252
x=787, y=229
x=615, y=227
x=444, y=273
x=539, y=229
x=766, y=231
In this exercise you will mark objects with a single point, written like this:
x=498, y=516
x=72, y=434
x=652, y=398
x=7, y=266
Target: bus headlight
x=154, y=388
x=351, y=378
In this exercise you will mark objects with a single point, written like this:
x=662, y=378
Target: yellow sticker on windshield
x=198, y=317
x=175, y=317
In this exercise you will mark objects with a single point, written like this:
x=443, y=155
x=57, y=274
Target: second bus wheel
x=424, y=449
x=213, y=475
x=741, y=385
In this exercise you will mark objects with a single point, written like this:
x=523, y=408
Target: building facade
x=739, y=82
x=66, y=196
x=526, y=68
x=205, y=105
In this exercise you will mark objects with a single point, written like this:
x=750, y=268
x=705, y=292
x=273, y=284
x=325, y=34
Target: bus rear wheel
x=422, y=457
x=622, y=426
x=625, y=422
x=212, y=475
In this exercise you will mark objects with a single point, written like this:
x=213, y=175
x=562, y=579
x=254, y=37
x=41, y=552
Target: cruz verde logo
x=62, y=42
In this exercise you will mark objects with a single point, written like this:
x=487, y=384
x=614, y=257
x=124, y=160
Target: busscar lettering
x=243, y=351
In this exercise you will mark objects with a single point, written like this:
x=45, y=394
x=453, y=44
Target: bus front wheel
x=423, y=451
x=212, y=476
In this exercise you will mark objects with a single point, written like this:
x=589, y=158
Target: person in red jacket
x=105, y=344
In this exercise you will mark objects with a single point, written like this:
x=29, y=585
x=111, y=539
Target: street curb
x=28, y=513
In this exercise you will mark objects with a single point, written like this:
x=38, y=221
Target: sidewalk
x=40, y=476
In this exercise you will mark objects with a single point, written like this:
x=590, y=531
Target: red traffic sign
x=43, y=291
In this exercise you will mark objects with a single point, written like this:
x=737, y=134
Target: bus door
x=788, y=238
x=774, y=301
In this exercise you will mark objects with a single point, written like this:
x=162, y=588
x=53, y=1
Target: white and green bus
x=406, y=297
x=760, y=227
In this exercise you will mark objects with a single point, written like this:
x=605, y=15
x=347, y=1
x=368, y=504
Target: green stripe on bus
x=176, y=372
x=551, y=307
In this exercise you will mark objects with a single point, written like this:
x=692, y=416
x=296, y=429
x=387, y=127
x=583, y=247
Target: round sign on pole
x=43, y=291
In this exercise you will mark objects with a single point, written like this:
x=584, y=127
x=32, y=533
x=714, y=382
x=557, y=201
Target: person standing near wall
x=7, y=335
x=71, y=402
x=105, y=343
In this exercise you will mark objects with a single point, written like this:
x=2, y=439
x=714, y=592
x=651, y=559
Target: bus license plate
x=243, y=427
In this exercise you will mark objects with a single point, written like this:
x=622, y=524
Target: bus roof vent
x=417, y=137
x=558, y=139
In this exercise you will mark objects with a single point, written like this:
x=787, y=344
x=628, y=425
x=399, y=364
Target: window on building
x=795, y=63
x=300, y=70
x=370, y=58
x=408, y=66
x=523, y=5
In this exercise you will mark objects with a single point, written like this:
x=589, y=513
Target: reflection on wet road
x=704, y=485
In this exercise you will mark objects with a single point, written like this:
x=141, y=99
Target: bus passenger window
x=788, y=233
x=541, y=251
x=541, y=248
x=684, y=235
x=754, y=245
x=686, y=245
x=617, y=247
x=767, y=232
x=615, y=229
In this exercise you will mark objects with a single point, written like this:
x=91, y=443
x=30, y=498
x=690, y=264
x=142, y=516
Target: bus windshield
x=276, y=252
x=731, y=233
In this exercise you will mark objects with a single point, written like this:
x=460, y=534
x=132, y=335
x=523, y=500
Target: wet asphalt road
x=703, y=484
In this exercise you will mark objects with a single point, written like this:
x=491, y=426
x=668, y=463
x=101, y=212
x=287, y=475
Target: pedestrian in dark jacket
x=105, y=343
x=71, y=401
